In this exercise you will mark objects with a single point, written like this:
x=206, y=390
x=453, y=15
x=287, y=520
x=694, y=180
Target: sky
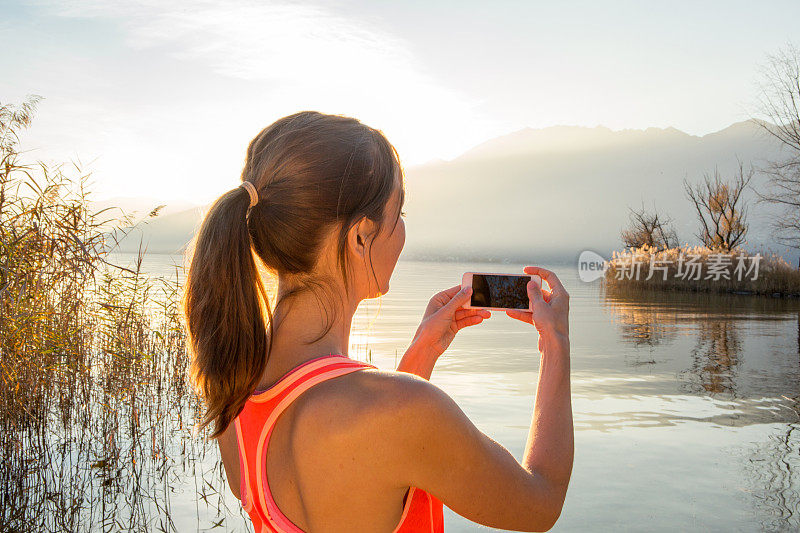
x=160, y=99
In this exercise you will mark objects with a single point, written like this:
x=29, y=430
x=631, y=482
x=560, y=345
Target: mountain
x=164, y=234
x=547, y=194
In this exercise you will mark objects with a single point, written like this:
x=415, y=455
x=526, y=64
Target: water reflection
x=716, y=355
x=725, y=332
x=741, y=355
x=774, y=471
x=647, y=326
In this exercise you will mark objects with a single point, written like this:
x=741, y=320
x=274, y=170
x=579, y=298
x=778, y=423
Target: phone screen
x=494, y=290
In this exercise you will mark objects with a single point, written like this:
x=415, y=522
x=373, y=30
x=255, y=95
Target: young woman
x=310, y=439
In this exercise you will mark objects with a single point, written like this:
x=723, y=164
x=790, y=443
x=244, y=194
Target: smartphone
x=492, y=290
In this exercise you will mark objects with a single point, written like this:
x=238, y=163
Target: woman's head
x=327, y=223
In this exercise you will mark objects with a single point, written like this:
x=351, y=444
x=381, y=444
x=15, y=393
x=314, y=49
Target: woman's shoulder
x=376, y=416
x=388, y=385
x=366, y=392
x=364, y=402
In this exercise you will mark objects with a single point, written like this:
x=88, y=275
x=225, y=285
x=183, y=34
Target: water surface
x=683, y=404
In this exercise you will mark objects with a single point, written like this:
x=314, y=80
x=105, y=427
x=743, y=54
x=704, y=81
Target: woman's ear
x=357, y=236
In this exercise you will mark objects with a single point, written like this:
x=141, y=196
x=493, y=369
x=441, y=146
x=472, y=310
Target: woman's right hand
x=549, y=310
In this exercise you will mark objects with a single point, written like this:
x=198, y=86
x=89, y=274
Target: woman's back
x=313, y=428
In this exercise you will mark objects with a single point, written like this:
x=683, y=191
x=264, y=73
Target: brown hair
x=313, y=172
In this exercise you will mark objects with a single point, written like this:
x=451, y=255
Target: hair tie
x=251, y=190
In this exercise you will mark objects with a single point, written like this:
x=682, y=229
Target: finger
x=547, y=295
x=547, y=275
x=469, y=321
x=525, y=316
x=464, y=313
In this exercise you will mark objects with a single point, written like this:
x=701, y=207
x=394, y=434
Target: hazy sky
x=160, y=98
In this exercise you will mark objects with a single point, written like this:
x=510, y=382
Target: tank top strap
x=305, y=371
x=254, y=426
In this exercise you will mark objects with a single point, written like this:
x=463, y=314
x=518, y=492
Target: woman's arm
x=419, y=360
x=435, y=446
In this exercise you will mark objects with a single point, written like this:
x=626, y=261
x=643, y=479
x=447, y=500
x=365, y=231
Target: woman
x=354, y=448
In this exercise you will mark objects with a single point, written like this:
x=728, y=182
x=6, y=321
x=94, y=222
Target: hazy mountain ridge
x=167, y=234
x=547, y=194
x=565, y=138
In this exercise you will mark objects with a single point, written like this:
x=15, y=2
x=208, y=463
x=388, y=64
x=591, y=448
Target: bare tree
x=721, y=210
x=779, y=101
x=649, y=228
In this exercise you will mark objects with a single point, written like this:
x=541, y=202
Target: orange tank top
x=422, y=511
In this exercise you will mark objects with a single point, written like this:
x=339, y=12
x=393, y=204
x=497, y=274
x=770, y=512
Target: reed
x=648, y=268
x=96, y=415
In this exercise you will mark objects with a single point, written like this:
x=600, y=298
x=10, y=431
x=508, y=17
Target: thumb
x=461, y=298
x=535, y=291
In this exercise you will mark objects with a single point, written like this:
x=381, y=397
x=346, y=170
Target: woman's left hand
x=444, y=317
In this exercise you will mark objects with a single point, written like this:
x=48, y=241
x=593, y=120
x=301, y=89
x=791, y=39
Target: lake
x=682, y=403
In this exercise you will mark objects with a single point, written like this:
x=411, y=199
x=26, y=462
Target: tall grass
x=96, y=415
x=632, y=267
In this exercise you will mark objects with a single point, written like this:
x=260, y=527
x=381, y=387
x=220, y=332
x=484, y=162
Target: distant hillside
x=165, y=234
x=546, y=194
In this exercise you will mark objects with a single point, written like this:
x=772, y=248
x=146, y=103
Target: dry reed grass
x=96, y=415
x=774, y=277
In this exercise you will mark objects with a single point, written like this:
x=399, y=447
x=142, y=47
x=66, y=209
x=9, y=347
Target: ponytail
x=313, y=173
x=225, y=304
